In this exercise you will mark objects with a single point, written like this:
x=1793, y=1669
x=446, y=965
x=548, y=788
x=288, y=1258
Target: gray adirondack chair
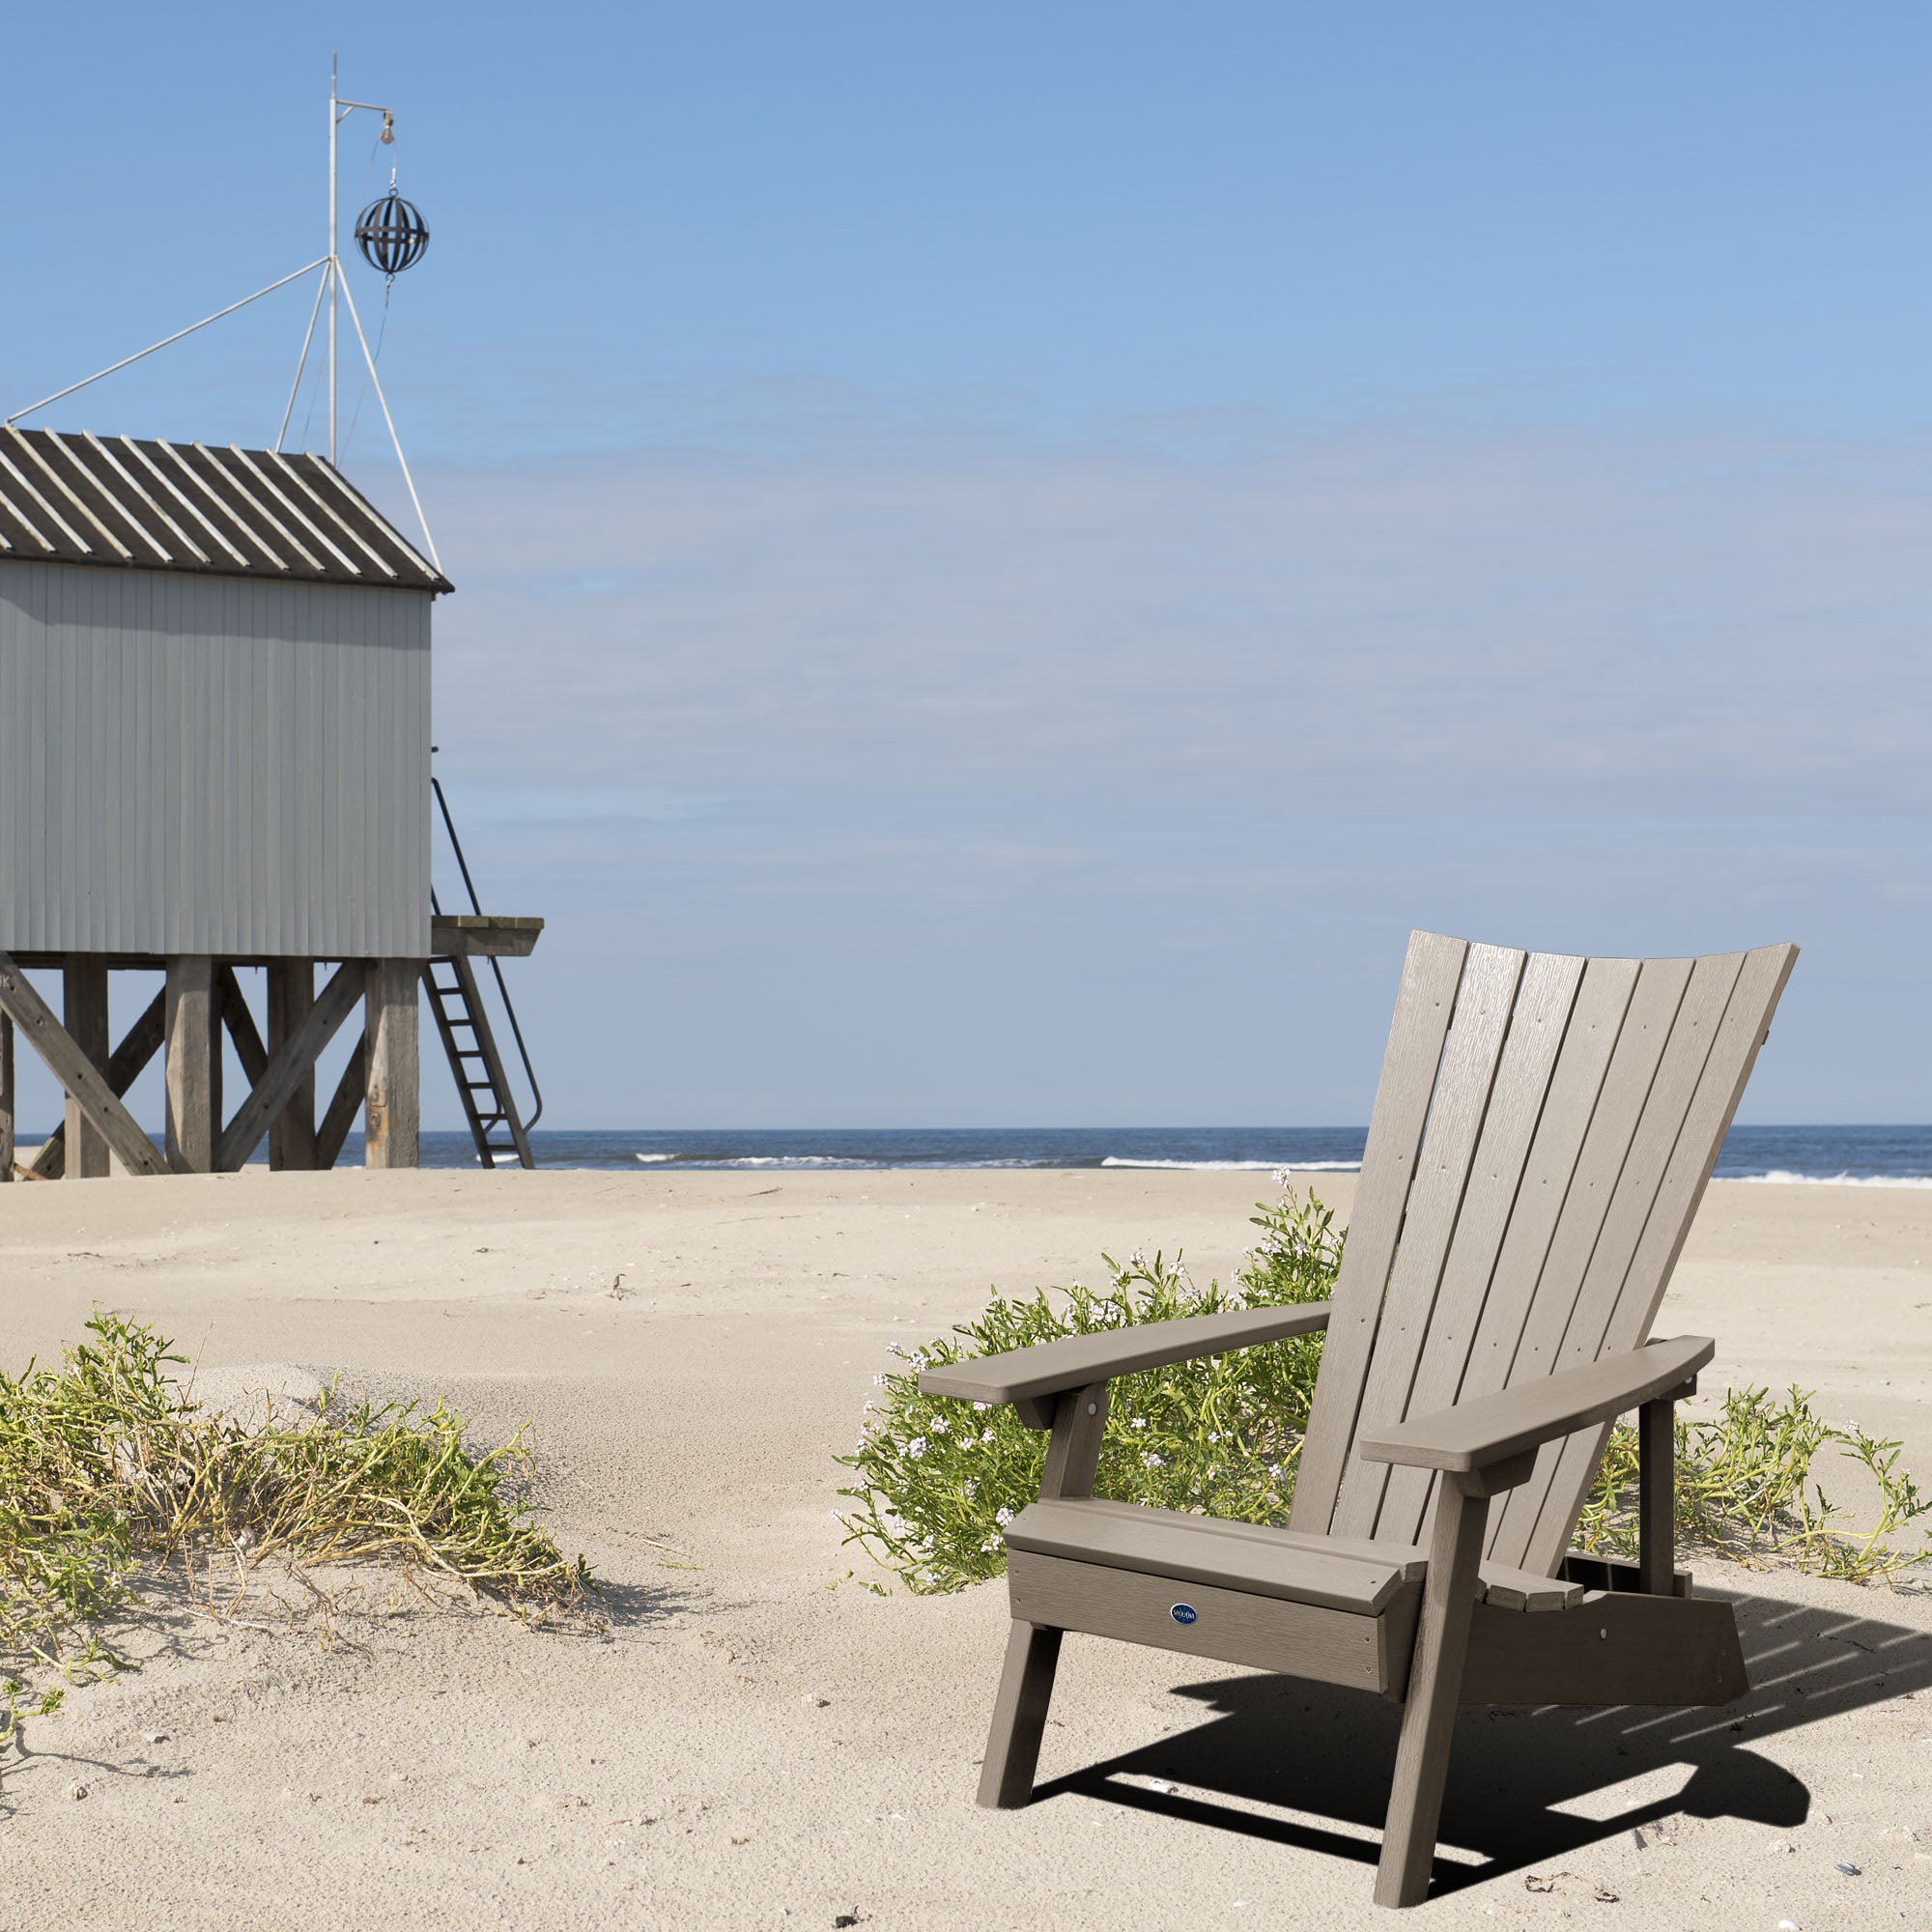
x=1540, y=1138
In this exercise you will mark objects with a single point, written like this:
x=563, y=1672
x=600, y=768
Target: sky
x=1005, y=557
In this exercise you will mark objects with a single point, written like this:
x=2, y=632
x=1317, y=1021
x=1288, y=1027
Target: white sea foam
x=1782, y=1176
x=795, y=1160
x=650, y=1159
x=1240, y=1166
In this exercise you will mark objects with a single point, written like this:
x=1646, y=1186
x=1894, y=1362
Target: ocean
x=1885, y=1156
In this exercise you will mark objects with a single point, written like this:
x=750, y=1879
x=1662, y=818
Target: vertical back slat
x=1463, y=1081
x=1499, y=1175
x=1596, y=1023
x=1531, y=1310
x=1649, y=1145
x=1727, y=1069
x=1430, y=976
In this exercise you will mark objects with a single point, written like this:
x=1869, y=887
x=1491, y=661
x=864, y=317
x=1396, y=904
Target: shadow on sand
x=1312, y=1748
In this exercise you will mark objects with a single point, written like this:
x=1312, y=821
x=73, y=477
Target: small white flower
x=940, y=1424
x=1139, y=1422
x=916, y=1448
x=1154, y=1462
x=972, y=1488
x=983, y=1406
x=986, y=1440
x=1003, y=1517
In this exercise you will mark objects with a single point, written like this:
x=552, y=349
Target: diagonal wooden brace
x=130, y=1059
x=240, y=1025
x=343, y=1105
x=87, y=1084
x=290, y=1067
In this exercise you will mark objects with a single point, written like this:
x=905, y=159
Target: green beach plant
x=935, y=1481
x=110, y=1470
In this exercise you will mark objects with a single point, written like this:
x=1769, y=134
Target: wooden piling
x=84, y=1014
x=392, y=1103
x=194, y=1072
x=291, y=995
x=6, y=1100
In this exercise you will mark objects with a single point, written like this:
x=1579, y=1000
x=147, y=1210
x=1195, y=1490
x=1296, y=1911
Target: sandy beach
x=759, y=1739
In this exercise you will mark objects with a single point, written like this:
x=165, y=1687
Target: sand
x=761, y=1741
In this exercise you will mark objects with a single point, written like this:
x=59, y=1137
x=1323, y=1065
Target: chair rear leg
x=1019, y=1716
x=1434, y=1685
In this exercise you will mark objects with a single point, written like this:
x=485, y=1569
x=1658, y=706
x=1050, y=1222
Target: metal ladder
x=482, y=1082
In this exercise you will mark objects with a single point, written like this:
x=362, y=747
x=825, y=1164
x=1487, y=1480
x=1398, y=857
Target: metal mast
x=340, y=112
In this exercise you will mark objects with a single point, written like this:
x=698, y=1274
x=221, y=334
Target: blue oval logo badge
x=1183, y=1613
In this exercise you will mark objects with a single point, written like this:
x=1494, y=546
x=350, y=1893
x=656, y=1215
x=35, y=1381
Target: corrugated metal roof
x=66, y=499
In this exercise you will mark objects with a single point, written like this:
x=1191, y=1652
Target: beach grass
x=937, y=1480
x=111, y=1470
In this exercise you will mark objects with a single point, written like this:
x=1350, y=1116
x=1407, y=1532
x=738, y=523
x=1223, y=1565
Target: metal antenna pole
x=334, y=275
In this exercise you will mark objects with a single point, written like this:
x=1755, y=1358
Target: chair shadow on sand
x=1312, y=1748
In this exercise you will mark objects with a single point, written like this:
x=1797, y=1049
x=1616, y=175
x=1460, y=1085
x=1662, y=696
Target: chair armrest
x=1077, y=1361
x=1493, y=1428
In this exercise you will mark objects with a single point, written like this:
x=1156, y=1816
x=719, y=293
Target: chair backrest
x=1540, y=1138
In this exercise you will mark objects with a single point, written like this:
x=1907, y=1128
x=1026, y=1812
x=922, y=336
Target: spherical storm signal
x=391, y=234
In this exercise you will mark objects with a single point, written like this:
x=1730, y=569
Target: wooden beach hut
x=215, y=755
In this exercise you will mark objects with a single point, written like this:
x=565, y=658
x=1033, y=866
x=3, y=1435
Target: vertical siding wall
x=209, y=764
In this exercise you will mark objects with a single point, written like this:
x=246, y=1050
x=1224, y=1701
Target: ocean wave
x=1780, y=1177
x=1237, y=1166
x=650, y=1159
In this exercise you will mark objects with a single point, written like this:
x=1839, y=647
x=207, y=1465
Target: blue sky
x=1005, y=559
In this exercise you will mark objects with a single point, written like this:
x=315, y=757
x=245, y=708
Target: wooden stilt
x=291, y=995
x=6, y=1100
x=193, y=1064
x=84, y=1014
x=393, y=1117
x=1434, y=1683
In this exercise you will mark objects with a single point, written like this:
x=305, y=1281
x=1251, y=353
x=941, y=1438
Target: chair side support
x=1657, y=1492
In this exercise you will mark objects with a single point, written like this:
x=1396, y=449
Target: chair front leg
x=1033, y=1650
x=1434, y=1684
x=1019, y=1716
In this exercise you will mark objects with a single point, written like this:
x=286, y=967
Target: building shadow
x=1326, y=1756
